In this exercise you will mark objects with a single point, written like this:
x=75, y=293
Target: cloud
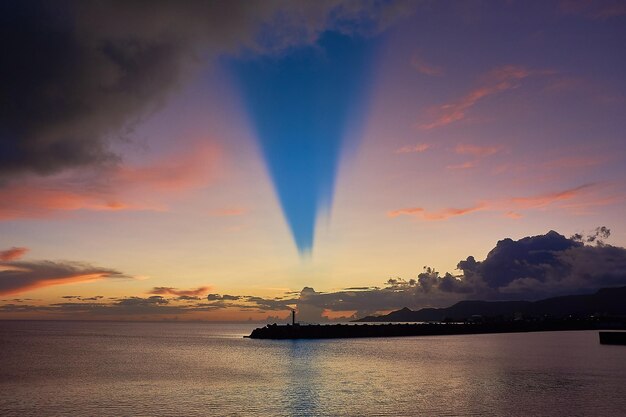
x=575, y=200
x=546, y=265
x=307, y=309
x=180, y=171
x=513, y=215
x=425, y=68
x=142, y=302
x=225, y=297
x=17, y=277
x=443, y=214
x=195, y=292
x=475, y=150
x=12, y=254
x=532, y=267
x=113, y=188
x=80, y=75
x=478, y=152
x=544, y=200
x=34, y=199
x=419, y=148
x=496, y=81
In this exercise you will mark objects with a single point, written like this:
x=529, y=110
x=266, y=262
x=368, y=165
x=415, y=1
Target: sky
x=229, y=161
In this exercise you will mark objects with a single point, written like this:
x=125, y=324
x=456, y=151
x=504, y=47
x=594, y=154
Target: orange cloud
x=71, y=279
x=496, y=81
x=34, y=200
x=181, y=171
x=175, y=291
x=123, y=187
x=419, y=148
x=543, y=200
x=435, y=215
x=12, y=254
x=575, y=200
x=425, y=68
x=513, y=215
x=19, y=276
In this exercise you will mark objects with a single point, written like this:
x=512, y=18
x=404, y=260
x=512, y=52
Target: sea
x=72, y=368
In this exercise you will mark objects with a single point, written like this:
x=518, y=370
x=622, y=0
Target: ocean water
x=201, y=369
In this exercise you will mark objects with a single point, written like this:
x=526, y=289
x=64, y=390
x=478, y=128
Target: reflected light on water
x=182, y=369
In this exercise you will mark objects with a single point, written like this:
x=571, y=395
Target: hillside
x=606, y=302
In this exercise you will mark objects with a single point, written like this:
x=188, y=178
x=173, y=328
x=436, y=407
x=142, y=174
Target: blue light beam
x=300, y=105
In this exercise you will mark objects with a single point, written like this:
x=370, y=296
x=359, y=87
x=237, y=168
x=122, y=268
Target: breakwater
x=334, y=331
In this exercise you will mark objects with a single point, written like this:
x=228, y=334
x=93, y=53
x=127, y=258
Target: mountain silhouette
x=604, y=302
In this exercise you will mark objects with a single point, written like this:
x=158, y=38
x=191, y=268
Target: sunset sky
x=198, y=160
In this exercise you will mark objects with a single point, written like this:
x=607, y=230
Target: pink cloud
x=543, y=200
x=443, y=214
x=121, y=188
x=513, y=215
x=475, y=150
x=36, y=200
x=496, y=81
x=12, y=254
x=575, y=200
x=425, y=68
x=419, y=148
x=189, y=169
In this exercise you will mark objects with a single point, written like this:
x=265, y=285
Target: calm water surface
x=186, y=369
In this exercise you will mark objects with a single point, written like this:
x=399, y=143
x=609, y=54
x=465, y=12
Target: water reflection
x=303, y=378
x=184, y=370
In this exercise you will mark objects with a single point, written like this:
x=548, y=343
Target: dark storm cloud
x=21, y=276
x=77, y=75
x=546, y=265
x=529, y=268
